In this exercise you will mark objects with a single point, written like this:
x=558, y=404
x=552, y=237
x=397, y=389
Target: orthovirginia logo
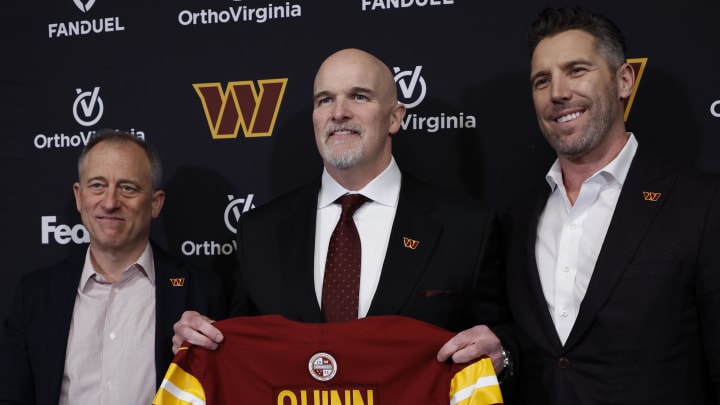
x=412, y=90
x=235, y=208
x=638, y=64
x=410, y=95
x=238, y=14
x=84, y=27
x=88, y=107
x=240, y=104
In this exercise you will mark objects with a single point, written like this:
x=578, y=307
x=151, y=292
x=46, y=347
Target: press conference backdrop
x=223, y=89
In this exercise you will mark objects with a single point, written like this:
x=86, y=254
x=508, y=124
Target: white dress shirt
x=569, y=237
x=110, y=357
x=373, y=220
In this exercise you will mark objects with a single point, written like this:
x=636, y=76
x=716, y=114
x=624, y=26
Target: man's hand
x=471, y=344
x=196, y=329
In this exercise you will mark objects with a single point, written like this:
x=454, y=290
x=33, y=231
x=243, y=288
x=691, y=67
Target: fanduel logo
x=84, y=27
x=84, y=7
x=393, y=4
x=88, y=107
x=240, y=104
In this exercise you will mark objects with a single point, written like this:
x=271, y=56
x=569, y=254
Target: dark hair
x=608, y=37
x=119, y=137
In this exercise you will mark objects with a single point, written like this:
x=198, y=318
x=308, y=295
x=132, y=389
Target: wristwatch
x=507, y=369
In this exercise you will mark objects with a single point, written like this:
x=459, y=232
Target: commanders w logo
x=410, y=243
x=638, y=64
x=651, y=196
x=177, y=282
x=240, y=104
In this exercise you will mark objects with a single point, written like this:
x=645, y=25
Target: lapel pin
x=410, y=243
x=651, y=196
x=177, y=282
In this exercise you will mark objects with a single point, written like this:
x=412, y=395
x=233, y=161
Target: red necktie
x=341, y=283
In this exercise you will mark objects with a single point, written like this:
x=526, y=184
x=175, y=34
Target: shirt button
x=573, y=226
x=109, y=385
x=563, y=362
x=564, y=313
x=566, y=269
x=112, y=335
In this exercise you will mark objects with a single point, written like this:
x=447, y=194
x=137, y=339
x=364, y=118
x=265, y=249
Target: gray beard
x=345, y=159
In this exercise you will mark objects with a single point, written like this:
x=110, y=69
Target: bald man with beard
x=451, y=278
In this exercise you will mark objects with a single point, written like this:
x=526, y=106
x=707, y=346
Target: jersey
x=380, y=360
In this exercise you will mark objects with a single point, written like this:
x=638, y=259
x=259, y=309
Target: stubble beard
x=597, y=129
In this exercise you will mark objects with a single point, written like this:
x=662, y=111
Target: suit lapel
x=61, y=302
x=403, y=266
x=296, y=238
x=632, y=217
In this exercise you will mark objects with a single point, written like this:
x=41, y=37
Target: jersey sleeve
x=180, y=387
x=476, y=384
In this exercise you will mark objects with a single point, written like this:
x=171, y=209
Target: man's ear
x=396, y=117
x=625, y=80
x=158, y=199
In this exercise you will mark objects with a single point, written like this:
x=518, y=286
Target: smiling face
x=578, y=97
x=355, y=111
x=115, y=198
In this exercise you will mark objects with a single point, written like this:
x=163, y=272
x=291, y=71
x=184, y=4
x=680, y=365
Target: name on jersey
x=337, y=396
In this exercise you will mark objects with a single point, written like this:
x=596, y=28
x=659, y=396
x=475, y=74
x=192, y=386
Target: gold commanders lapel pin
x=177, y=282
x=651, y=196
x=410, y=243
x=322, y=366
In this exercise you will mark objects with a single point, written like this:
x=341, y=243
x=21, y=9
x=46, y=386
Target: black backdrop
x=71, y=66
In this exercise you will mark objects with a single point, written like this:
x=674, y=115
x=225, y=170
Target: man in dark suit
x=97, y=327
x=613, y=268
x=426, y=253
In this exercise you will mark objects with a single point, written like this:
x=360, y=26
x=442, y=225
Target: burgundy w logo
x=410, y=243
x=638, y=64
x=651, y=196
x=240, y=104
x=177, y=282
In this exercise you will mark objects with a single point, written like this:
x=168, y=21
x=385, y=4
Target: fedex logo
x=62, y=234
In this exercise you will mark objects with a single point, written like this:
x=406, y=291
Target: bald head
x=339, y=65
x=354, y=115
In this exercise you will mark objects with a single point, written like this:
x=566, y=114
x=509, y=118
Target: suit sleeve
x=16, y=381
x=708, y=287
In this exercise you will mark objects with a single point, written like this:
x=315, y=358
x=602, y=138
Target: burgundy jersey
x=380, y=360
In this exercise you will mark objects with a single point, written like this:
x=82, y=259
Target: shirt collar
x=383, y=189
x=145, y=264
x=614, y=172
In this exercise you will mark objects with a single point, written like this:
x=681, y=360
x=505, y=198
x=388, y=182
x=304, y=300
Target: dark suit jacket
x=451, y=279
x=648, y=329
x=32, y=357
